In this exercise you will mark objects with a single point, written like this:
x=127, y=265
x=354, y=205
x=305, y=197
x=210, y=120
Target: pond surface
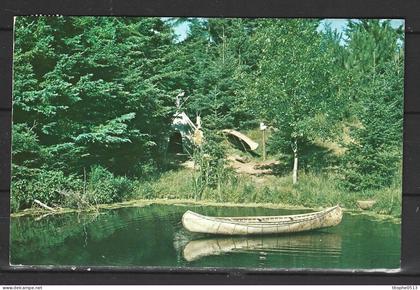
x=153, y=236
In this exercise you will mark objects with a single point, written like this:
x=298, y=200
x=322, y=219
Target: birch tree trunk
x=295, y=162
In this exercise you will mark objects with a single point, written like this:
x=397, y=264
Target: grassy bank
x=41, y=213
x=312, y=191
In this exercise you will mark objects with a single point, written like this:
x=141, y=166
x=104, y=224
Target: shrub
x=146, y=189
x=45, y=185
x=369, y=168
x=212, y=175
x=104, y=187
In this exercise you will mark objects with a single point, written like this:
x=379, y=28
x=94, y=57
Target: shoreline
x=185, y=202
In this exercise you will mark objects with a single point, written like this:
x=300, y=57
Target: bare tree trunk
x=295, y=162
x=295, y=169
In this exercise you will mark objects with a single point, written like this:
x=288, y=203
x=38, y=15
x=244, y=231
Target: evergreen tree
x=97, y=90
x=375, y=66
x=217, y=51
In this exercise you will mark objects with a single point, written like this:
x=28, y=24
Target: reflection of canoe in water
x=306, y=244
x=195, y=222
x=252, y=145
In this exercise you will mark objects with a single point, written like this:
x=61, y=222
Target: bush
x=389, y=199
x=146, y=170
x=369, y=167
x=146, y=189
x=45, y=185
x=104, y=187
x=212, y=174
x=56, y=189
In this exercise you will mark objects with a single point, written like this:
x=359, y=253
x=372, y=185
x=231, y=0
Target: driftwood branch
x=43, y=205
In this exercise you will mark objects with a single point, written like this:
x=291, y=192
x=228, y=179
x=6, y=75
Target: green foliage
x=56, y=189
x=389, y=199
x=110, y=133
x=95, y=88
x=44, y=185
x=290, y=81
x=289, y=87
x=26, y=147
x=371, y=43
x=373, y=157
x=104, y=187
x=211, y=164
x=98, y=93
x=313, y=190
x=217, y=56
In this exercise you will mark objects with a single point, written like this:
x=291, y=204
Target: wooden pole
x=263, y=127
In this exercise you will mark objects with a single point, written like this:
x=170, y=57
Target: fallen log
x=43, y=205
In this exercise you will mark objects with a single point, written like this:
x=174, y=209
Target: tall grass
x=313, y=190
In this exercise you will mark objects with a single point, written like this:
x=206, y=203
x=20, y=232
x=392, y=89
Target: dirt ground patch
x=245, y=166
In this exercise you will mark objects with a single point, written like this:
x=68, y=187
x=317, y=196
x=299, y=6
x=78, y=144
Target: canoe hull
x=248, y=141
x=197, y=223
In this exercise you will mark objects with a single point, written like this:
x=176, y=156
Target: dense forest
x=94, y=99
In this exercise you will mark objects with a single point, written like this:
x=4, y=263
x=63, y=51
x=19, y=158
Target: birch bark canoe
x=252, y=145
x=260, y=225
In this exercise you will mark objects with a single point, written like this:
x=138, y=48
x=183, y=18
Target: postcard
x=170, y=142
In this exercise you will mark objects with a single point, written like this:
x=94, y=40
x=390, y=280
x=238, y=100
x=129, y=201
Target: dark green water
x=153, y=236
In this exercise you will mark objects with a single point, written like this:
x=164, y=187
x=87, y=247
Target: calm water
x=153, y=236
